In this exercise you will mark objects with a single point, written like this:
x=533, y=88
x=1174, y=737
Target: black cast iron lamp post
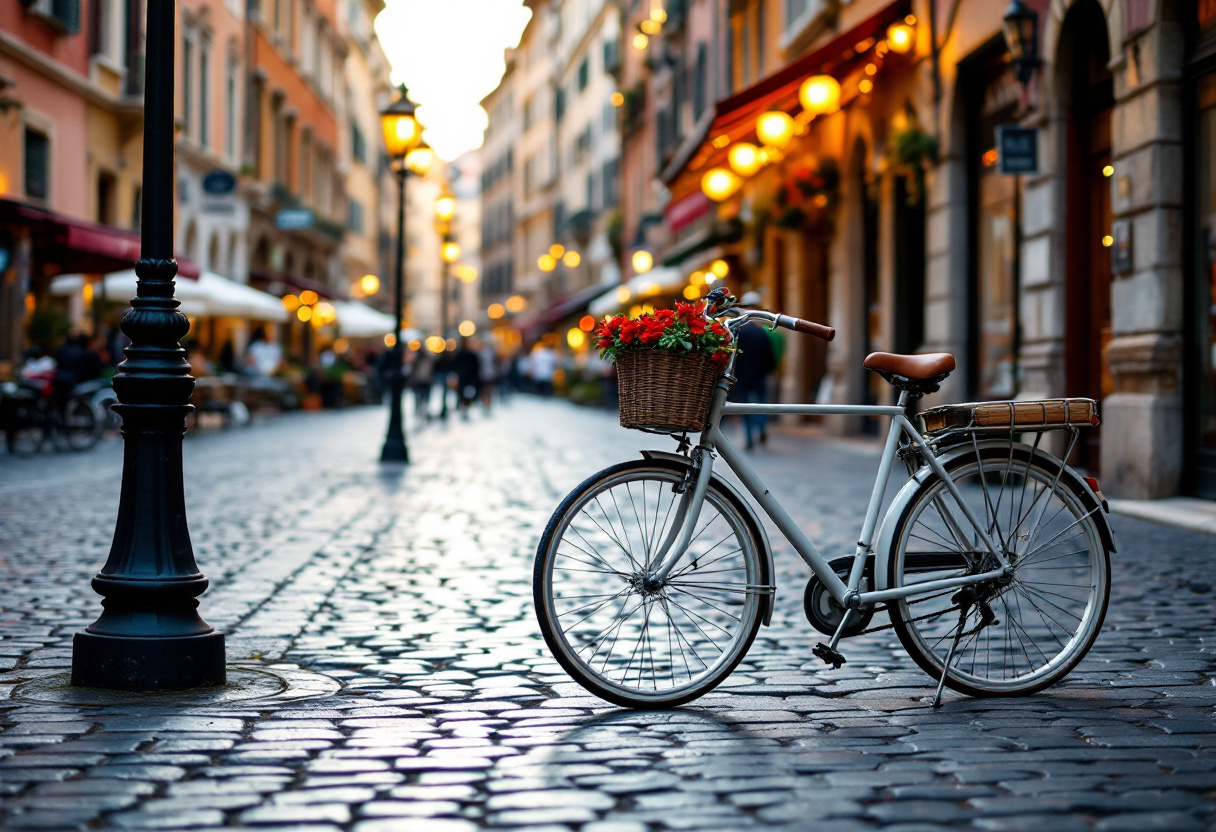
x=150, y=636
x=1022, y=39
x=403, y=141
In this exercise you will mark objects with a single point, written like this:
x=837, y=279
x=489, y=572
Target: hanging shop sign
x=292, y=219
x=219, y=182
x=1018, y=149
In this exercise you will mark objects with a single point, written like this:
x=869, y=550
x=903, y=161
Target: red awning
x=69, y=246
x=282, y=283
x=735, y=117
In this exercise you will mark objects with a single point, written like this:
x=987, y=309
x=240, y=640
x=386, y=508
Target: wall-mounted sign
x=1121, y=247
x=291, y=219
x=1017, y=149
x=219, y=182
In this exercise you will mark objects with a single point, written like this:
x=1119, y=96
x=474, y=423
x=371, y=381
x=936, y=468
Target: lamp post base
x=147, y=664
x=394, y=450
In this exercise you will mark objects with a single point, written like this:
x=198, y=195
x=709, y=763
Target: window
x=37, y=164
x=611, y=174
x=591, y=191
x=354, y=216
x=529, y=102
x=187, y=84
x=230, y=111
x=64, y=15
x=204, y=94
x=358, y=145
x=559, y=103
x=584, y=74
x=106, y=184
x=795, y=9
x=700, y=81
x=137, y=207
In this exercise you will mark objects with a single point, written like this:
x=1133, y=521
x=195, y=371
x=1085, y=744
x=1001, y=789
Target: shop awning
x=358, y=320
x=65, y=245
x=212, y=295
x=561, y=308
x=228, y=298
x=638, y=289
x=735, y=117
x=282, y=283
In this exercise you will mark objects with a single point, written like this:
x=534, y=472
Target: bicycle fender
x=886, y=534
x=768, y=601
x=1069, y=478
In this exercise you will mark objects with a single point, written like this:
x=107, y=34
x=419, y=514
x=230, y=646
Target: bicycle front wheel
x=1047, y=614
x=619, y=635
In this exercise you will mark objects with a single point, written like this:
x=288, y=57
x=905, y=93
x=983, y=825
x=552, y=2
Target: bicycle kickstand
x=964, y=598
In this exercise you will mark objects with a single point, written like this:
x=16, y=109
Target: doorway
x=1088, y=215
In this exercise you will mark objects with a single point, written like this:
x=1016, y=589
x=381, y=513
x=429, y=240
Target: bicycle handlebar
x=808, y=327
x=742, y=316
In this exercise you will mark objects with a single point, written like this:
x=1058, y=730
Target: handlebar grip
x=807, y=327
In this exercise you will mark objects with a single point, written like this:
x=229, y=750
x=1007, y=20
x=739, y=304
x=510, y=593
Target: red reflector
x=1093, y=483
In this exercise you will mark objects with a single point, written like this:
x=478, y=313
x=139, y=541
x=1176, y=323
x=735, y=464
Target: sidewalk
x=1188, y=513
x=387, y=673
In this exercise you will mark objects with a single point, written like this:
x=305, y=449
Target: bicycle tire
x=78, y=423
x=668, y=686
x=1026, y=610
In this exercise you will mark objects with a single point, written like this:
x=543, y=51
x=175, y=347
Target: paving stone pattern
x=411, y=590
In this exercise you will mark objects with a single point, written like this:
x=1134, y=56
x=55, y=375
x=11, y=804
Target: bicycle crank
x=823, y=611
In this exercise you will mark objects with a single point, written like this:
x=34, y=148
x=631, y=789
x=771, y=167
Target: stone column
x=1142, y=420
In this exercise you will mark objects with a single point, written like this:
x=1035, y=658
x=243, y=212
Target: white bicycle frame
x=847, y=595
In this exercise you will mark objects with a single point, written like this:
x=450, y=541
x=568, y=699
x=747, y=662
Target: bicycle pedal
x=829, y=656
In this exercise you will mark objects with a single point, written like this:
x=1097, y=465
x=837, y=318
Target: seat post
x=903, y=397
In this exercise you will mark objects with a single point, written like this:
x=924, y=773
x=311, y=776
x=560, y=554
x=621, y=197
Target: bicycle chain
x=955, y=608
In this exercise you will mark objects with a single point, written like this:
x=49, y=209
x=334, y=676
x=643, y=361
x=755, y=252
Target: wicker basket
x=1047, y=414
x=665, y=393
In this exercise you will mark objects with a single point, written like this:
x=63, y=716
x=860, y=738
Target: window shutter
x=67, y=12
x=37, y=153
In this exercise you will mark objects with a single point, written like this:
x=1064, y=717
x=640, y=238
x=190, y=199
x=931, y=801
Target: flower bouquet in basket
x=667, y=362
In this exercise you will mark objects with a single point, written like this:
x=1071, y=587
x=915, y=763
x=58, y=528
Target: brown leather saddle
x=918, y=374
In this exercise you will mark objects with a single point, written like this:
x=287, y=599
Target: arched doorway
x=1088, y=90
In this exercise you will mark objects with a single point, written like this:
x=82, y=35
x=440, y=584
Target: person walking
x=466, y=373
x=543, y=367
x=422, y=378
x=752, y=367
x=489, y=368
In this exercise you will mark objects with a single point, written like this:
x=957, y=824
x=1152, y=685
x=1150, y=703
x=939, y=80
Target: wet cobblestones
x=407, y=593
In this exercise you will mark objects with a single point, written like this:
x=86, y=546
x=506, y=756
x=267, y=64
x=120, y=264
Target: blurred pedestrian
x=263, y=357
x=752, y=367
x=465, y=373
x=542, y=366
x=489, y=370
x=422, y=377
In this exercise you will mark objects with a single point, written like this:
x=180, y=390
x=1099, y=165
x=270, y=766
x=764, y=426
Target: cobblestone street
x=388, y=672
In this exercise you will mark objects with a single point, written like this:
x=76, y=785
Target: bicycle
x=31, y=416
x=653, y=577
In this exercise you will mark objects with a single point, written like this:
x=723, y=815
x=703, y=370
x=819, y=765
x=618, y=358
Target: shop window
x=37, y=164
x=1203, y=360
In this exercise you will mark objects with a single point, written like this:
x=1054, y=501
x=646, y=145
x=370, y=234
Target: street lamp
x=150, y=636
x=402, y=140
x=1022, y=39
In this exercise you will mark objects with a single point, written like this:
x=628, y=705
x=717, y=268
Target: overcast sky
x=450, y=55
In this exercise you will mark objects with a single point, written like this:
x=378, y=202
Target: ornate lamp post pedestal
x=150, y=636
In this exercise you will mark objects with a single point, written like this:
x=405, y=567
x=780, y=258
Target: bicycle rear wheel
x=78, y=424
x=619, y=635
x=1050, y=611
